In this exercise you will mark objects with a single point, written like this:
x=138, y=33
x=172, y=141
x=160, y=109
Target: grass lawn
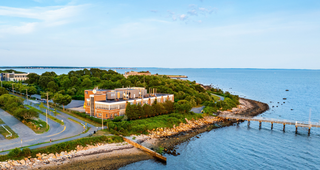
x=49, y=116
x=141, y=126
x=80, y=118
x=4, y=133
x=1, y=122
x=37, y=125
x=101, y=133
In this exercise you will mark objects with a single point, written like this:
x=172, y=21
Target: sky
x=161, y=33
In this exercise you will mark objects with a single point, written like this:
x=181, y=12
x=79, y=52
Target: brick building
x=111, y=103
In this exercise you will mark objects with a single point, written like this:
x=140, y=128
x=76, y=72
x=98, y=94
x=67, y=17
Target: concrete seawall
x=151, y=152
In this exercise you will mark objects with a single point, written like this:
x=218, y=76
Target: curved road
x=29, y=137
x=199, y=109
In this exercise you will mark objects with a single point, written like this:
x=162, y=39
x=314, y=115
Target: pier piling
x=297, y=124
x=259, y=124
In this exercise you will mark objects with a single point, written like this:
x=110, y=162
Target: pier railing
x=272, y=121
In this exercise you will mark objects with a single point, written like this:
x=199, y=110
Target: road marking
x=58, y=133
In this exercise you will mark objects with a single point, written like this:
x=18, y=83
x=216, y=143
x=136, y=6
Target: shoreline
x=115, y=156
x=250, y=108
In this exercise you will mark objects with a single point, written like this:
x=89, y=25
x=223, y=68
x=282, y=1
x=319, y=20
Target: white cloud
x=46, y=16
x=183, y=17
x=23, y=29
x=154, y=11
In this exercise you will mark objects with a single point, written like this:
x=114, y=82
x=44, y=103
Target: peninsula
x=152, y=112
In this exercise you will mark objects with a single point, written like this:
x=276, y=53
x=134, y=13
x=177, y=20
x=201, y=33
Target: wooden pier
x=272, y=121
x=151, y=152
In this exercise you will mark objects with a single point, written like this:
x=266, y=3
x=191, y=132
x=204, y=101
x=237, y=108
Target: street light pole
x=12, y=88
x=48, y=101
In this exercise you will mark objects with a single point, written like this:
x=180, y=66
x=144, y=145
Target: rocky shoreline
x=247, y=107
x=114, y=156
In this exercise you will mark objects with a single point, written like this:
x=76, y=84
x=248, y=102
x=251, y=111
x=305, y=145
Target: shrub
x=26, y=152
x=14, y=153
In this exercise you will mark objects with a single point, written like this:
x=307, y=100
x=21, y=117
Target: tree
x=31, y=90
x=158, y=107
x=26, y=114
x=169, y=106
x=50, y=74
x=33, y=78
x=147, y=110
x=3, y=91
x=183, y=106
x=87, y=83
x=72, y=91
x=65, y=83
x=44, y=80
x=52, y=86
x=62, y=99
x=75, y=81
x=44, y=95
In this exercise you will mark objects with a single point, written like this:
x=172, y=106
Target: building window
x=100, y=114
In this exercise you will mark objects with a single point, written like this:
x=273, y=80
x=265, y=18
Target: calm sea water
x=240, y=147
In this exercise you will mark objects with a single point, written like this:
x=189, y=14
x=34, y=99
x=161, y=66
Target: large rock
x=15, y=163
x=22, y=162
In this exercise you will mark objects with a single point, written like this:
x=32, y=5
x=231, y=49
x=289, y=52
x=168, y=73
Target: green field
x=38, y=126
x=4, y=133
x=1, y=122
x=49, y=116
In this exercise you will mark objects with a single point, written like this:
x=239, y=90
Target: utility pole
x=12, y=88
x=27, y=94
x=102, y=120
x=47, y=111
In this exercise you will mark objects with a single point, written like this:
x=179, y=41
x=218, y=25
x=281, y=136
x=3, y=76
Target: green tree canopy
x=62, y=99
x=33, y=78
x=26, y=114
x=3, y=91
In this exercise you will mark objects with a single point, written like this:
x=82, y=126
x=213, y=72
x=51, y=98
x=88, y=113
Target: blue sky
x=161, y=33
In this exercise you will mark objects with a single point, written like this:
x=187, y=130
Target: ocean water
x=240, y=147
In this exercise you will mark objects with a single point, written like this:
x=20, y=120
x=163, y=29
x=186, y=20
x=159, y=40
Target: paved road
x=197, y=109
x=21, y=129
x=56, y=131
x=221, y=98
